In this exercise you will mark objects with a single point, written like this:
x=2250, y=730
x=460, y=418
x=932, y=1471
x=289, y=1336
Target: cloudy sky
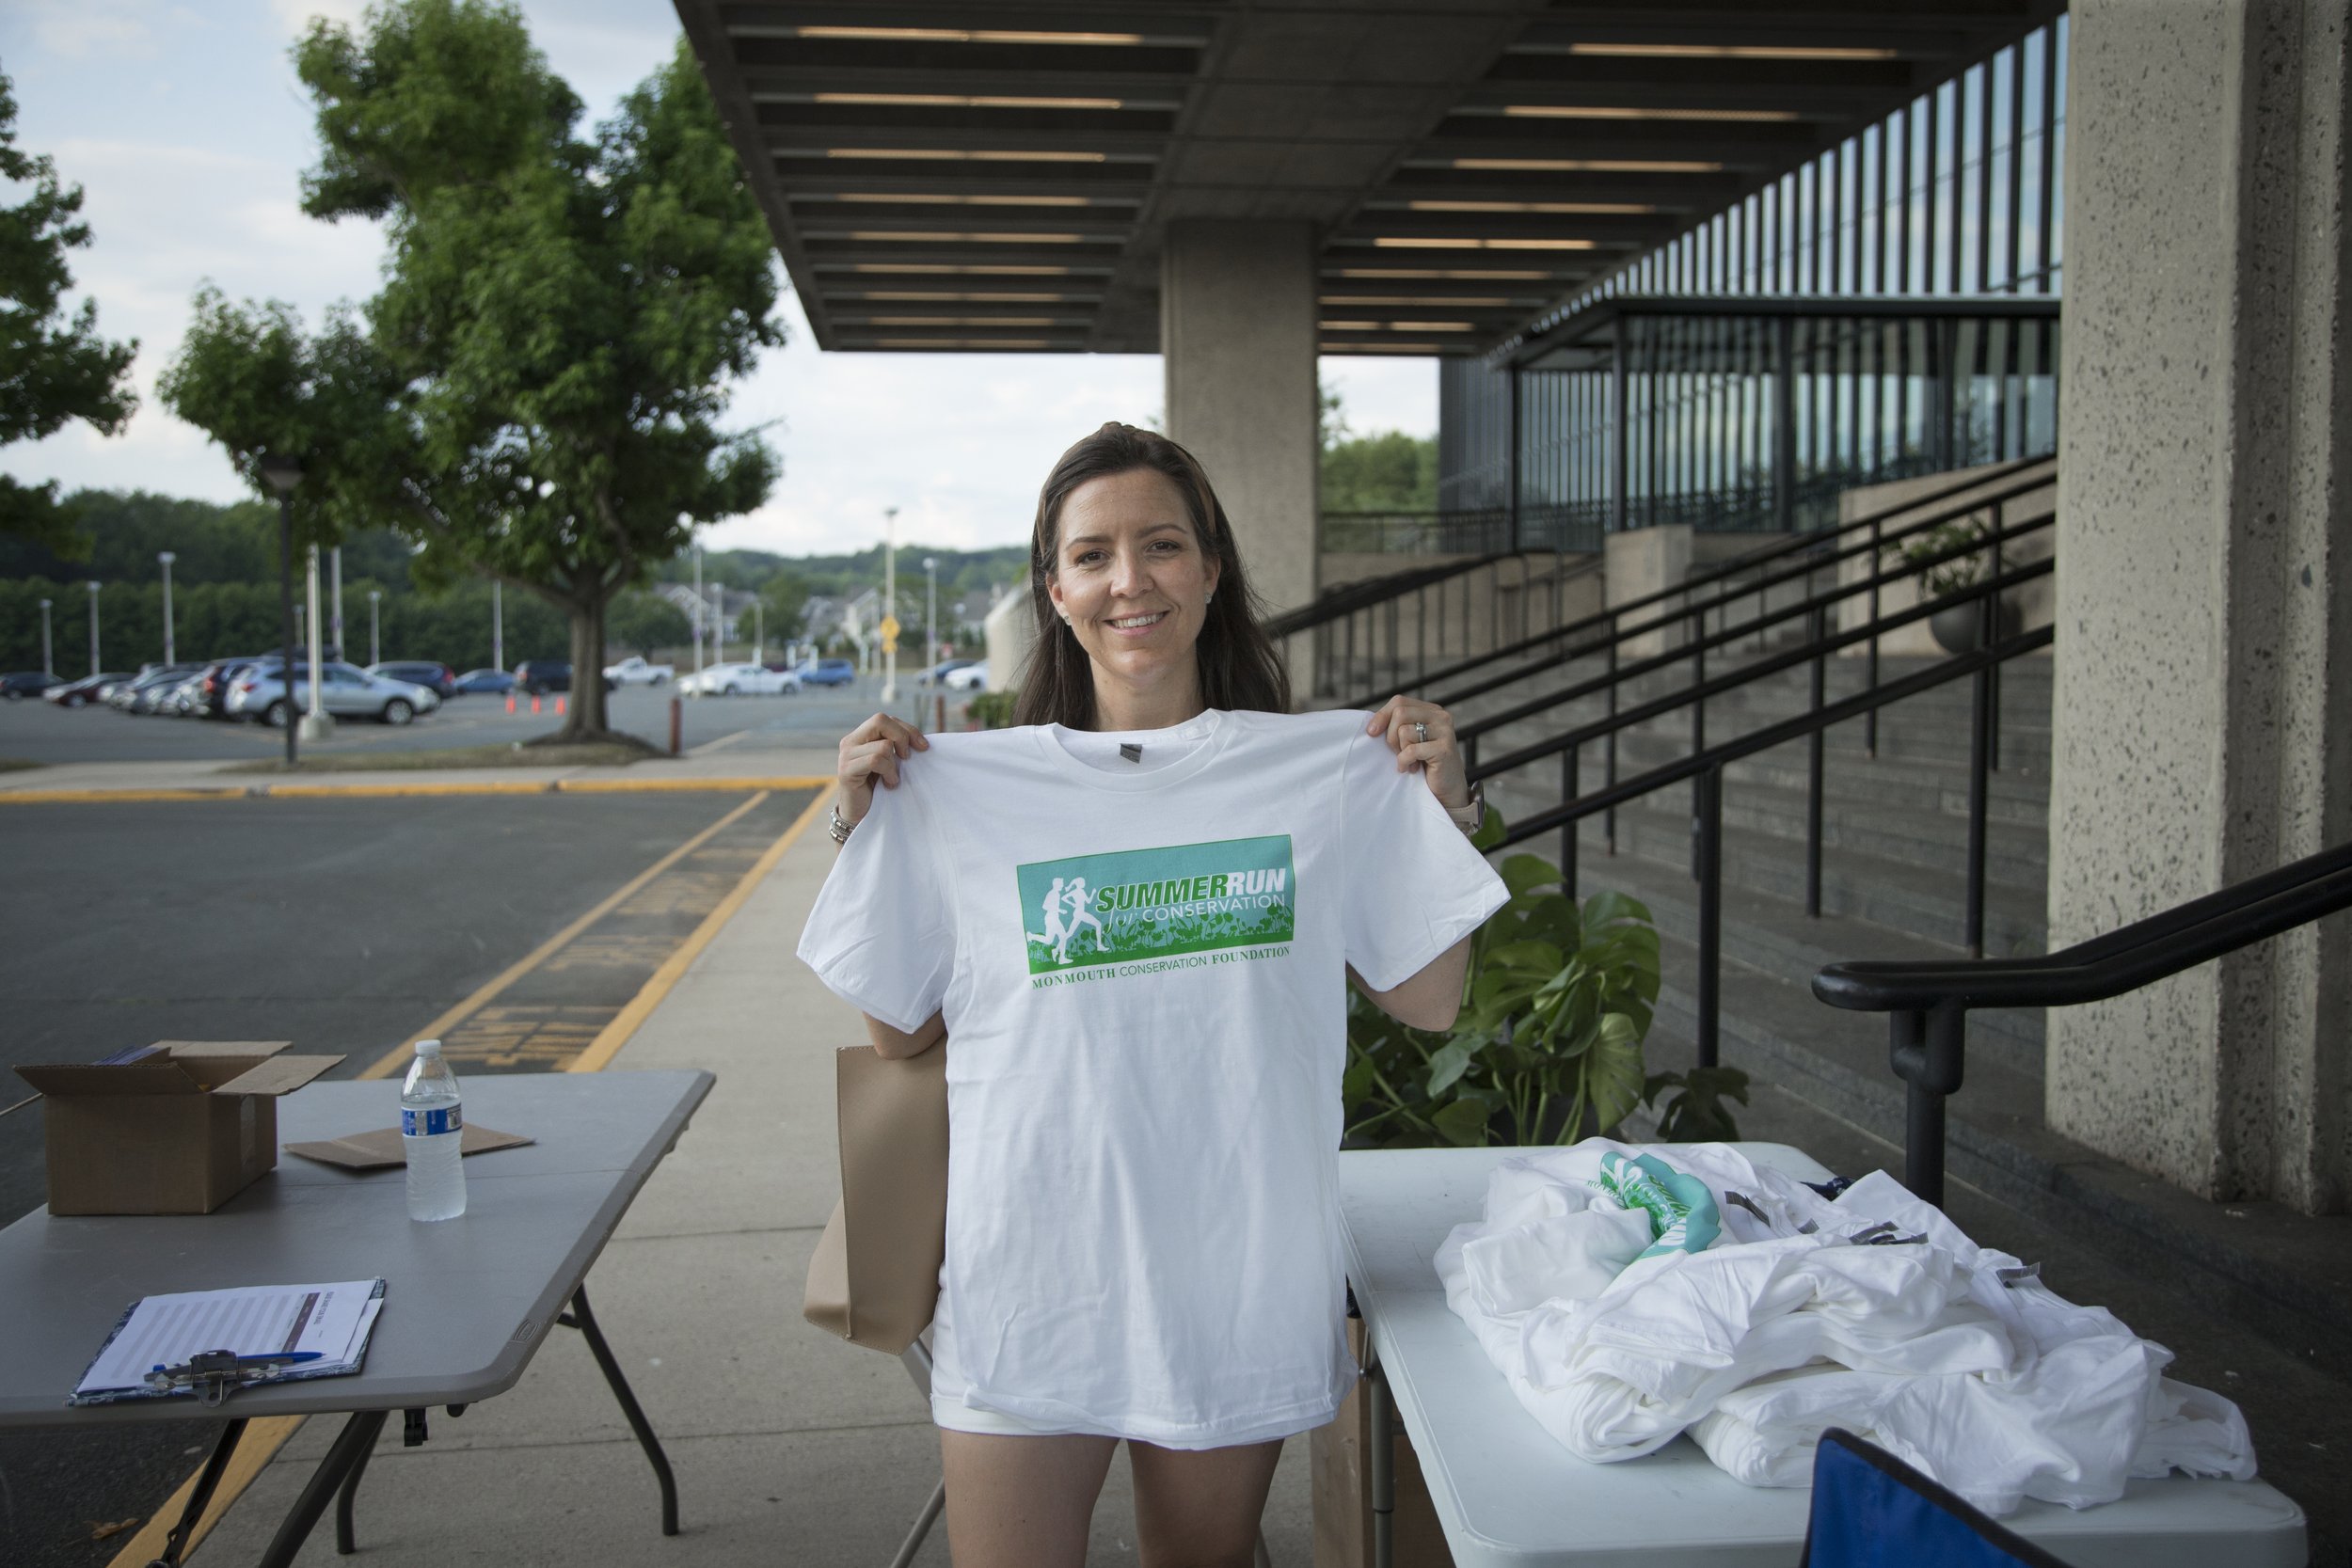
x=187, y=129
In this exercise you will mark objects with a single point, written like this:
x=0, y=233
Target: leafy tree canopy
x=54, y=367
x=1391, y=471
x=535, y=393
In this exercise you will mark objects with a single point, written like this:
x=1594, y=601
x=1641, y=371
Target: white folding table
x=1507, y=1494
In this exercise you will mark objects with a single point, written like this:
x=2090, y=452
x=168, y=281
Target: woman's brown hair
x=1239, y=668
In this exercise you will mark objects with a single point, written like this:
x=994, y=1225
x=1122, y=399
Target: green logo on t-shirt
x=1145, y=905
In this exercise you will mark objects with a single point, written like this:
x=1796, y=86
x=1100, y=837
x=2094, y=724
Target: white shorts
x=952, y=1405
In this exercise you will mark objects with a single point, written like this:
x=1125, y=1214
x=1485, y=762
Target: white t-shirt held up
x=1140, y=941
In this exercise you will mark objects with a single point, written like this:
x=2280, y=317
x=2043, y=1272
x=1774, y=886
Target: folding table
x=1507, y=1492
x=467, y=1301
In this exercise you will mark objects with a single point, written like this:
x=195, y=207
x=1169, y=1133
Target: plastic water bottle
x=432, y=1128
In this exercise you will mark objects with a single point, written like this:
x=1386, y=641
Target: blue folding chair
x=1871, y=1510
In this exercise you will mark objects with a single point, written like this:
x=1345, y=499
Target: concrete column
x=2202, y=708
x=1237, y=338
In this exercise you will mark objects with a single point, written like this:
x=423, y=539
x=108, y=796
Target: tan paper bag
x=874, y=1279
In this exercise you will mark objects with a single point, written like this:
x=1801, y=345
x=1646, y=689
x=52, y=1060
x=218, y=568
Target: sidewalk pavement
x=791, y=1446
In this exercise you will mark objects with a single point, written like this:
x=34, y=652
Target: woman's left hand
x=1422, y=735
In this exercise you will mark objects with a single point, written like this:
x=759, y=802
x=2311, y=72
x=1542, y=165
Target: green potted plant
x=1955, y=626
x=1547, y=1047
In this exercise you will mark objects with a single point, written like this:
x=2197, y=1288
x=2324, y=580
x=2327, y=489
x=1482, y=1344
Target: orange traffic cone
x=510, y=701
x=535, y=704
x=559, y=705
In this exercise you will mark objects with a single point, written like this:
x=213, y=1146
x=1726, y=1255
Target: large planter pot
x=1955, y=629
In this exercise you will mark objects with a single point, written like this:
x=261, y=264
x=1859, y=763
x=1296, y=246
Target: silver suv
x=344, y=691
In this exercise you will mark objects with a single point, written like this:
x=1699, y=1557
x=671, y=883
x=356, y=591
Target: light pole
x=281, y=474
x=335, y=627
x=93, y=628
x=718, y=622
x=171, y=654
x=890, y=605
x=316, y=725
x=497, y=624
x=759, y=630
x=698, y=614
x=47, y=668
x=931, y=612
x=376, y=650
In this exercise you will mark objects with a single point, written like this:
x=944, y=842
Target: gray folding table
x=1507, y=1492
x=467, y=1301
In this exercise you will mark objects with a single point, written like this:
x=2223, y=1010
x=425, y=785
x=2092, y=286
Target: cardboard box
x=177, y=1128
x=1340, y=1483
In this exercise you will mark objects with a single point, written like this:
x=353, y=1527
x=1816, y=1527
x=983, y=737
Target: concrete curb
x=378, y=791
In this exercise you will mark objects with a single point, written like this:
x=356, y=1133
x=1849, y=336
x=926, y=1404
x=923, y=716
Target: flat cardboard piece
x=278, y=1076
x=382, y=1148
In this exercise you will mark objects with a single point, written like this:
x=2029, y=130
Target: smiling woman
x=1139, y=595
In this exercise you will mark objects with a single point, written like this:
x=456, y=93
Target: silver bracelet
x=841, y=828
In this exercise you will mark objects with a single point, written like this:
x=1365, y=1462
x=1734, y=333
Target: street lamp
x=931, y=612
x=93, y=628
x=281, y=474
x=497, y=624
x=699, y=605
x=47, y=668
x=890, y=605
x=316, y=725
x=376, y=650
x=170, y=652
x=335, y=626
x=718, y=622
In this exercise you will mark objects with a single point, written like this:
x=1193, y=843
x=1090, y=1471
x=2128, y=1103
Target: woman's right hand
x=872, y=752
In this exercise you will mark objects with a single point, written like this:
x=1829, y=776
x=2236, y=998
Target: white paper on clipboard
x=330, y=1322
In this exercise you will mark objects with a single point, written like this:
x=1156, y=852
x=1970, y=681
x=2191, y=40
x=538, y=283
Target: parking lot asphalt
x=38, y=732
x=519, y=928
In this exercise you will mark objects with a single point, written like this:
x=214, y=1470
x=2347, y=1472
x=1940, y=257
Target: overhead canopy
x=996, y=177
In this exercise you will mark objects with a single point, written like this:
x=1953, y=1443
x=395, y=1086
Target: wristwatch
x=1472, y=817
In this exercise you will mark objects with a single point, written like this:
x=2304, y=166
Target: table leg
x=207, y=1481
x=346, y=1541
x=582, y=1320
x=1383, y=1467
x=914, y=1542
x=349, y=1453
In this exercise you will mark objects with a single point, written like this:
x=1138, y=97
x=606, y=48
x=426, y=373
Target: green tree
x=1391, y=471
x=786, y=594
x=535, y=393
x=53, y=367
x=642, y=622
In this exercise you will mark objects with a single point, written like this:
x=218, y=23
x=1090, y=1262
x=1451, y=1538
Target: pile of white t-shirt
x=1631, y=1294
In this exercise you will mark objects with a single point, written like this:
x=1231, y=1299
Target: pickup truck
x=634, y=671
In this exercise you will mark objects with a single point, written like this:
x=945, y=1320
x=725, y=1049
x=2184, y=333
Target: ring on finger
x=1422, y=731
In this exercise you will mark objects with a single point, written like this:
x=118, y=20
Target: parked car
x=217, y=680
x=139, y=696
x=972, y=677
x=183, y=700
x=426, y=673
x=739, y=680
x=26, y=683
x=634, y=671
x=345, y=691
x=535, y=676
x=940, y=672
x=493, y=683
x=827, y=671
x=80, y=693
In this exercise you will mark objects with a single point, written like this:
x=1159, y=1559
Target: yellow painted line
x=617, y=786
x=263, y=1438
x=616, y=1034
x=374, y=791
x=396, y=1058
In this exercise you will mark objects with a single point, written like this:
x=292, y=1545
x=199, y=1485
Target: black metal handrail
x=1345, y=606
x=1928, y=1003
x=1817, y=544
x=1704, y=768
